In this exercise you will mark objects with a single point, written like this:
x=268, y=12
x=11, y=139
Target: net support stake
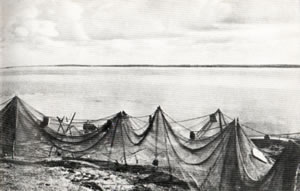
x=124, y=154
x=156, y=135
x=50, y=151
x=220, y=119
x=112, y=140
x=69, y=125
x=15, y=134
x=13, y=150
x=167, y=152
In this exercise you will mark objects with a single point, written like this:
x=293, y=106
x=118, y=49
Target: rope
x=297, y=133
x=191, y=119
x=73, y=142
x=254, y=130
x=139, y=127
x=5, y=102
x=257, y=131
x=199, y=123
x=142, y=135
x=194, y=163
x=146, y=129
x=202, y=131
x=177, y=138
x=139, y=117
x=89, y=136
x=143, y=116
x=129, y=138
x=227, y=116
x=32, y=108
x=260, y=132
x=104, y=118
x=80, y=151
x=94, y=120
x=176, y=135
x=178, y=123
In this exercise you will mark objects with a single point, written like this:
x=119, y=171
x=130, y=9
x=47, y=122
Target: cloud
x=67, y=17
x=1, y=20
x=16, y=17
x=144, y=18
x=233, y=45
x=28, y=20
x=81, y=20
x=109, y=19
x=265, y=11
x=149, y=32
x=34, y=29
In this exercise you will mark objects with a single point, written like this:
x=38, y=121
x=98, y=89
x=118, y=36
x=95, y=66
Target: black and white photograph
x=150, y=95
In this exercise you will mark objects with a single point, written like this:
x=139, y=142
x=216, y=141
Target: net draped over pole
x=208, y=153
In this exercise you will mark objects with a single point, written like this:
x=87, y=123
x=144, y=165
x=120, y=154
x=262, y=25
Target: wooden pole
x=113, y=139
x=220, y=119
x=60, y=120
x=124, y=154
x=166, y=145
x=224, y=119
x=69, y=125
x=156, y=133
x=16, y=126
x=13, y=150
x=50, y=151
x=61, y=124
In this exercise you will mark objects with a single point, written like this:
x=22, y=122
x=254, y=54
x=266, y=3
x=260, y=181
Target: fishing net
x=220, y=156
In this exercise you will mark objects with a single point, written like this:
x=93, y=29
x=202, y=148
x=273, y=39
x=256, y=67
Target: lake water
x=266, y=99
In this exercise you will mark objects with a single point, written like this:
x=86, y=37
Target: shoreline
x=283, y=66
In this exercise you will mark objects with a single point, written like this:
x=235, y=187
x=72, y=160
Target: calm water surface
x=267, y=99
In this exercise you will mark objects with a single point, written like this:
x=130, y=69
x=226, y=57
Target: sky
x=163, y=32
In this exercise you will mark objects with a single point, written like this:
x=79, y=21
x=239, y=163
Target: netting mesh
x=219, y=157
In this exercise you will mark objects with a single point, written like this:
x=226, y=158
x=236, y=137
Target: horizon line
x=163, y=66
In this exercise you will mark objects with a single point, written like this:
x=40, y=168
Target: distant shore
x=164, y=66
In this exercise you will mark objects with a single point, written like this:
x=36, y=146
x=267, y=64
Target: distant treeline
x=167, y=66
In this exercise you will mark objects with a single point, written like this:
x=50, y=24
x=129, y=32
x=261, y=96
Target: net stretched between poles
x=224, y=160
